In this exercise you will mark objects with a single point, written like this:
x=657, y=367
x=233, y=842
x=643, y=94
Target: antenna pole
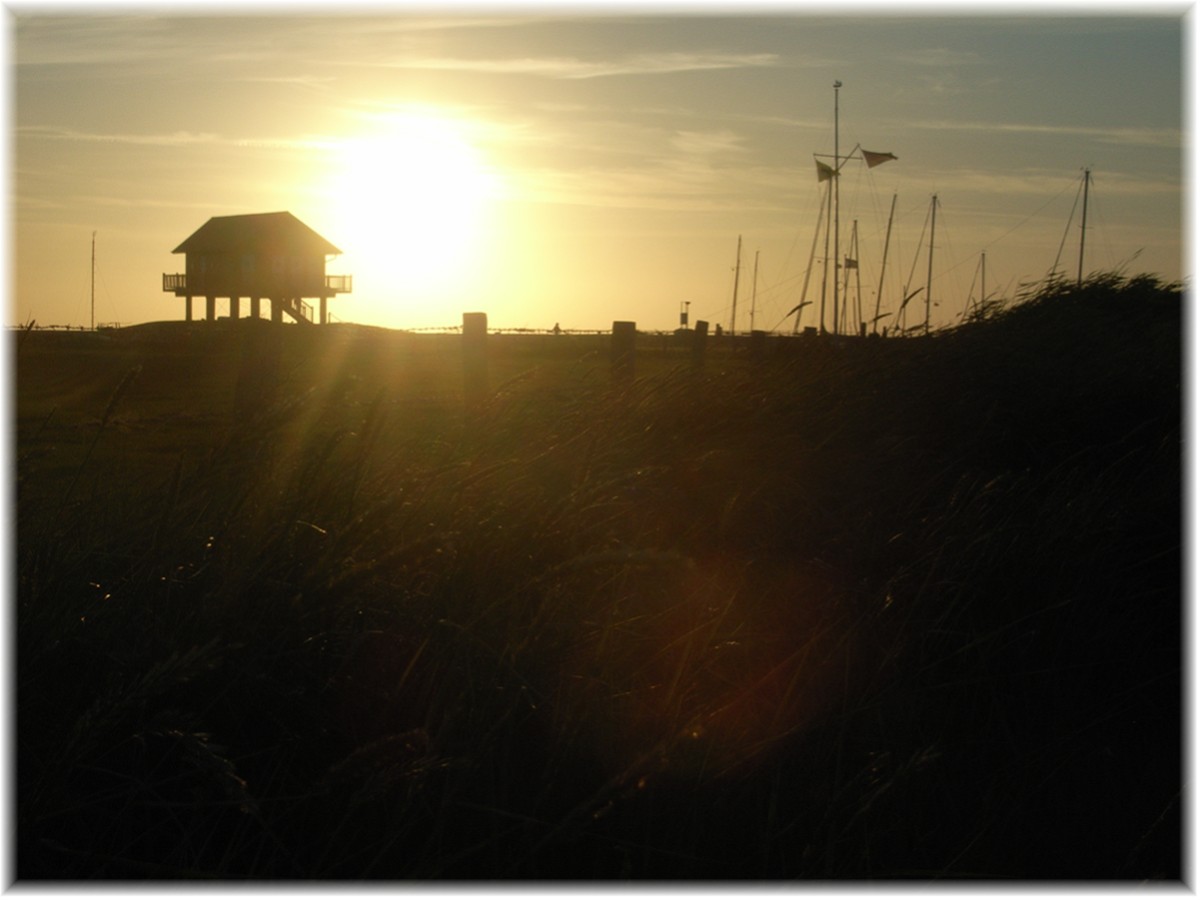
x=1087, y=177
x=837, y=170
x=93, y=281
x=737, y=271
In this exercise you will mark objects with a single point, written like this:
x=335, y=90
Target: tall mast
x=737, y=271
x=93, y=281
x=837, y=199
x=929, y=277
x=754, y=291
x=825, y=260
x=1087, y=177
x=883, y=268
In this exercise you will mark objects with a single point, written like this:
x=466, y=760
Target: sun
x=411, y=200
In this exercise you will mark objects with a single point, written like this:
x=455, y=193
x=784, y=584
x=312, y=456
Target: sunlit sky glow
x=566, y=165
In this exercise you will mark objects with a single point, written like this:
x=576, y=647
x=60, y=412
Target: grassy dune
x=861, y=609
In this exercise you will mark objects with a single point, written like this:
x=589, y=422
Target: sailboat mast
x=837, y=199
x=1087, y=177
x=825, y=260
x=853, y=255
x=754, y=291
x=737, y=271
x=93, y=281
x=929, y=277
x=883, y=268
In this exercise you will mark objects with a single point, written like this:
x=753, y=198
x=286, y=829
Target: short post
x=624, y=342
x=699, y=339
x=188, y=313
x=758, y=345
x=255, y=308
x=235, y=307
x=277, y=310
x=474, y=355
x=210, y=309
x=862, y=329
x=324, y=311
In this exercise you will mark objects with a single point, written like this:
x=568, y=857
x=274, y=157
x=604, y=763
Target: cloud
x=574, y=68
x=938, y=57
x=173, y=139
x=1138, y=136
x=706, y=142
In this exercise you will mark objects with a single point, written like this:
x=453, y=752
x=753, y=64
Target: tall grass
x=901, y=608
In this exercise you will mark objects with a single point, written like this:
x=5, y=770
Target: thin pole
x=929, y=277
x=846, y=278
x=754, y=291
x=93, y=281
x=883, y=268
x=857, y=281
x=737, y=271
x=837, y=169
x=1087, y=177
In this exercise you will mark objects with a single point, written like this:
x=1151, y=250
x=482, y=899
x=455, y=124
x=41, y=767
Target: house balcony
x=177, y=284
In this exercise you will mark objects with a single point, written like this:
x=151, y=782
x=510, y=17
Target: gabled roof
x=277, y=232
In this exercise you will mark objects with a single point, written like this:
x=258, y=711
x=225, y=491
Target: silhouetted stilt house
x=271, y=256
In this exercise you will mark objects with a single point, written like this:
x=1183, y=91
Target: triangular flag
x=875, y=159
x=824, y=172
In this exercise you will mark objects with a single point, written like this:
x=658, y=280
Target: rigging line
x=1027, y=218
x=1101, y=226
x=971, y=293
x=917, y=255
x=108, y=295
x=1067, y=230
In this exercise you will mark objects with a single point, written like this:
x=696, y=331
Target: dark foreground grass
x=878, y=609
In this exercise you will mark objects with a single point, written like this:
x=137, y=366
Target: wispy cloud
x=1138, y=136
x=938, y=57
x=574, y=68
x=173, y=139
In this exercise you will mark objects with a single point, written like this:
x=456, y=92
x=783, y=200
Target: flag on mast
x=875, y=159
x=824, y=172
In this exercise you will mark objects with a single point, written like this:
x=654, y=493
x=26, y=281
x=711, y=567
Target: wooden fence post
x=758, y=345
x=474, y=351
x=699, y=339
x=624, y=342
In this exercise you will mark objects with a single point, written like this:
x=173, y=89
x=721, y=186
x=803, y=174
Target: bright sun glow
x=410, y=202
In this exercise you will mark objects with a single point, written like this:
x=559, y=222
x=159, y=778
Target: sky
x=552, y=164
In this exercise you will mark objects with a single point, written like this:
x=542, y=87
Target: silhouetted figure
x=557, y=330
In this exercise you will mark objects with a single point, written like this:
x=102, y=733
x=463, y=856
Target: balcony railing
x=178, y=283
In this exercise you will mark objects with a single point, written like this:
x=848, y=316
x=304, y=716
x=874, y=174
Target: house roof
x=276, y=233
